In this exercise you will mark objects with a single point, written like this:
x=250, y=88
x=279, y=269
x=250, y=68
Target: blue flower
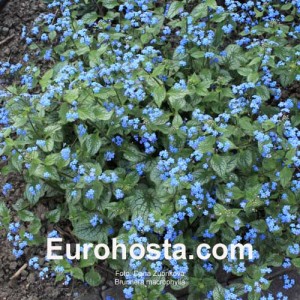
x=109, y=155
x=59, y=269
x=65, y=153
x=128, y=292
x=6, y=188
x=53, y=234
x=95, y=220
x=90, y=194
x=81, y=130
x=41, y=143
x=140, y=168
x=119, y=194
x=181, y=85
x=4, y=116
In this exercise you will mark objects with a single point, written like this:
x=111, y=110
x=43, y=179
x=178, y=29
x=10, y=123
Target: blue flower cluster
x=18, y=242
x=177, y=122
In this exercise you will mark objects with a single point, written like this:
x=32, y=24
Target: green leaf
x=90, y=18
x=73, y=199
x=85, y=231
x=254, y=203
x=54, y=215
x=197, y=54
x=85, y=113
x=81, y=50
x=237, y=193
x=177, y=121
x=244, y=71
x=211, y=3
x=219, y=165
x=223, y=164
x=71, y=95
x=287, y=78
x=296, y=262
x=218, y=18
x=289, y=18
x=49, y=130
x=133, y=154
x=93, y=144
x=155, y=175
x=246, y=125
x=239, y=288
x=168, y=296
x=26, y=215
x=263, y=92
x=41, y=170
x=218, y=292
x=207, y=145
x=286, y=175
x=51, y=159
x=253, y=191
x=35, y=226
x=200, y=11
x=174, y=9
x=90, y=261
x=110, y=4
x=32, y=199
x=159, y=95
x=245, y=159
x=45, y=80
x=286, y=6
x=102, y=114
x=219, y=209
x=180, y=284
x=77, y=273
x=16, y=163
x=93, y=278
x=274, y=260
x=177, y=99
x=253, y=77
x=52, y=35
x=20, y=204
x=142, y=203
x=130, y=181
x=260, y=225
x=4, y=214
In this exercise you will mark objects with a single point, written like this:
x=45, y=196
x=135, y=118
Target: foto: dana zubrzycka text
x=151, y=251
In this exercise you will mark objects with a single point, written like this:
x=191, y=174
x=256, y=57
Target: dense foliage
x=146, y=121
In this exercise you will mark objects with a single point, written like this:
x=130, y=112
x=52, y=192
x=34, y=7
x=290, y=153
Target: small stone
x=32, y=298
x=13, y=266
x=6, y=51
x=12, y=283
x=89, y=297
x=5, y=30
x=110, y=283
x=31, y=278
x=115, y=292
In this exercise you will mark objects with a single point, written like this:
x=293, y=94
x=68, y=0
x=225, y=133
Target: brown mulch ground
x=27, y=286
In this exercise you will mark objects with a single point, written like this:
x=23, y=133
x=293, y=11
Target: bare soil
x=27, y=286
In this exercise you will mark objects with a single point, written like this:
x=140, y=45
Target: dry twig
x=6, y=39
x=18, y=272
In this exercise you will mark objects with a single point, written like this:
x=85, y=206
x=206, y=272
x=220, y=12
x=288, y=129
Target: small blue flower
x=119, y=194
x=65, y=153
x=109, y=155
x=128, y=292
x=90, y=194
x=6, y=188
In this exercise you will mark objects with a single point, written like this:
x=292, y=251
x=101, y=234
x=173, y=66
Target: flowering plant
x=151, y=121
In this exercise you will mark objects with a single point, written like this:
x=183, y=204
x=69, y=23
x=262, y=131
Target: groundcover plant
x=147, y=121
